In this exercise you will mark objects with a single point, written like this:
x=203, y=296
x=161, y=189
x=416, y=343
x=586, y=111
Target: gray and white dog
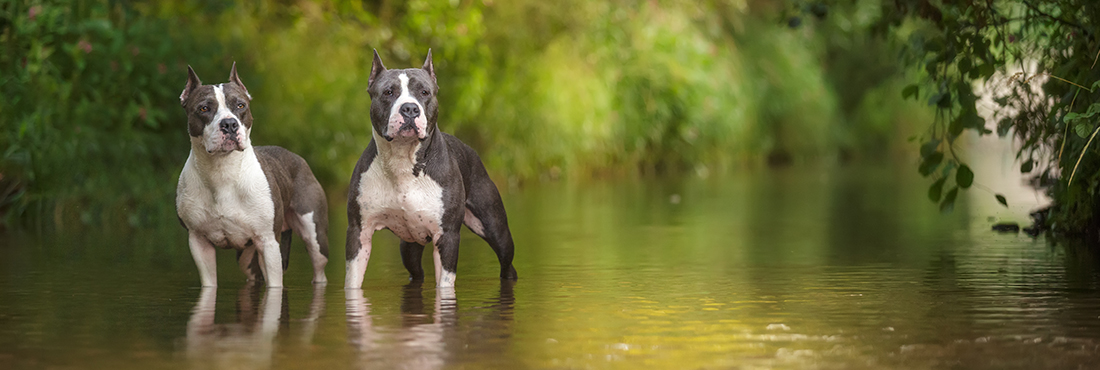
x=418, y=182
x=234, y=195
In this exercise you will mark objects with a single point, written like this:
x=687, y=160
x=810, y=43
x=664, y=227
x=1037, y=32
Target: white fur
x=240, y=344
x=356, y=267
x=308, y=230
x=213, y=139
x=391, y=197
x=396, y=119
x=225, y=201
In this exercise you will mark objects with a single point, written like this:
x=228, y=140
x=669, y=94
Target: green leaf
x=964, y=177
x=935, y=98
x=948, y=203
x=1001, y=199
x=964, y=65
x=1082, y=129
x=987, y=70
x=933, y=45
x=944, y=101
x=929, y=148
x=929, y=164
x=1027, y=166
x=1095, y=85
x=971, y=119
x=1093, y=110
x=967, y=99
x=910, y=91
x=1004, y=126
x=956, y=126
x=1070, y=117
x=935, y=158
x=936, y=190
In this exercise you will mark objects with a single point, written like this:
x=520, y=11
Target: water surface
x=849, y=268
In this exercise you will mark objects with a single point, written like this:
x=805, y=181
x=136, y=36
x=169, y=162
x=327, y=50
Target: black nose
x=410, y=110
x=229, y=125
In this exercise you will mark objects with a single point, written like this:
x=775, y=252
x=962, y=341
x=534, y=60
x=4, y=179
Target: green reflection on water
x=848, y=268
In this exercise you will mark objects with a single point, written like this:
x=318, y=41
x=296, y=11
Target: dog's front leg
x=357, y=256
x=203, y=253
x=446, y=259
x=271, y=260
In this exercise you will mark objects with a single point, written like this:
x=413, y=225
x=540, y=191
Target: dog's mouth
x=408, y=129
x=228, y=144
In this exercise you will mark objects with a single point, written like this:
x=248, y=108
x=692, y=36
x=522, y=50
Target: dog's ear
x=192, y=83
x=237, y=80
x=376, y=69
x=428, y=65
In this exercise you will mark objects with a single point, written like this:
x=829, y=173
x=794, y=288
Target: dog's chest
x=410, y=206
x=228, y=204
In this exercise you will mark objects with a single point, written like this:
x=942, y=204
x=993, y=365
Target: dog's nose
x=229, y=125
x=410, y=110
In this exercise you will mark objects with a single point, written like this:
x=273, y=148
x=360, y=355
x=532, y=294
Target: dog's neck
x=220, y=168
x=403, y=156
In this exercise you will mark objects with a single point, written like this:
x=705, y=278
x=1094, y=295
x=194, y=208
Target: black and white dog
x=234, y=195
x=418, y=182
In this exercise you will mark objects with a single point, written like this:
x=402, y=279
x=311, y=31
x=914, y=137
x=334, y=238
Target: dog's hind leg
x=313, y=232
x=249, y=264
x=411, y=254
x=485, y=216
x=284, y=247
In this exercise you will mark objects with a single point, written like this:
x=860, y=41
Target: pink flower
x=32, y=13
x=85, y=45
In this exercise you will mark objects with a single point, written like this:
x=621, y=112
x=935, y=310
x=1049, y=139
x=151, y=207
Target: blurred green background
x=91, y=132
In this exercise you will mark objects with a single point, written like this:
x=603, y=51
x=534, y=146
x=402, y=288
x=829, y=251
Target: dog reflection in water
x=249, y=342
x=426, y=341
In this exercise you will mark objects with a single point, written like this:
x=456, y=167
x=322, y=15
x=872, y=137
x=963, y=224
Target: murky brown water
x=844, y=269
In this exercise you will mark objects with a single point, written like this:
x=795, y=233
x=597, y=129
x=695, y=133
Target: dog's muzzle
x=227, y=137
x=408, y=112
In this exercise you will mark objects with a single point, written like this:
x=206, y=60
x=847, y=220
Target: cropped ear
x=376, y=69
x=192, y=83
x=428, y=65
x=237, y=80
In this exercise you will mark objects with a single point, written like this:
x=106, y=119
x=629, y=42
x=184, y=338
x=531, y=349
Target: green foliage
x=93, y=134
x=89, y=91
x=1036, y=57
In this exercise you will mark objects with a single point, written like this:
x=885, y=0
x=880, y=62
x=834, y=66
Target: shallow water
x=850, y=268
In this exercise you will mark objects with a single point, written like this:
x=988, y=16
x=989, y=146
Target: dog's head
x=219, y=118
x=403, y=101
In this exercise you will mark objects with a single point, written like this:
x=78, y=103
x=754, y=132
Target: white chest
x=410, y=206
x=226, y=199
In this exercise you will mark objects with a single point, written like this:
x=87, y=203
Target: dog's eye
x=387, y=92
x=240, y=105
x=424, y=92
x=204, y=109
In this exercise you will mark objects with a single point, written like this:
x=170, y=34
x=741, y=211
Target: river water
x=846, y=268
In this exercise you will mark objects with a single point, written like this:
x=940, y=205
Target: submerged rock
x=1006, y=227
